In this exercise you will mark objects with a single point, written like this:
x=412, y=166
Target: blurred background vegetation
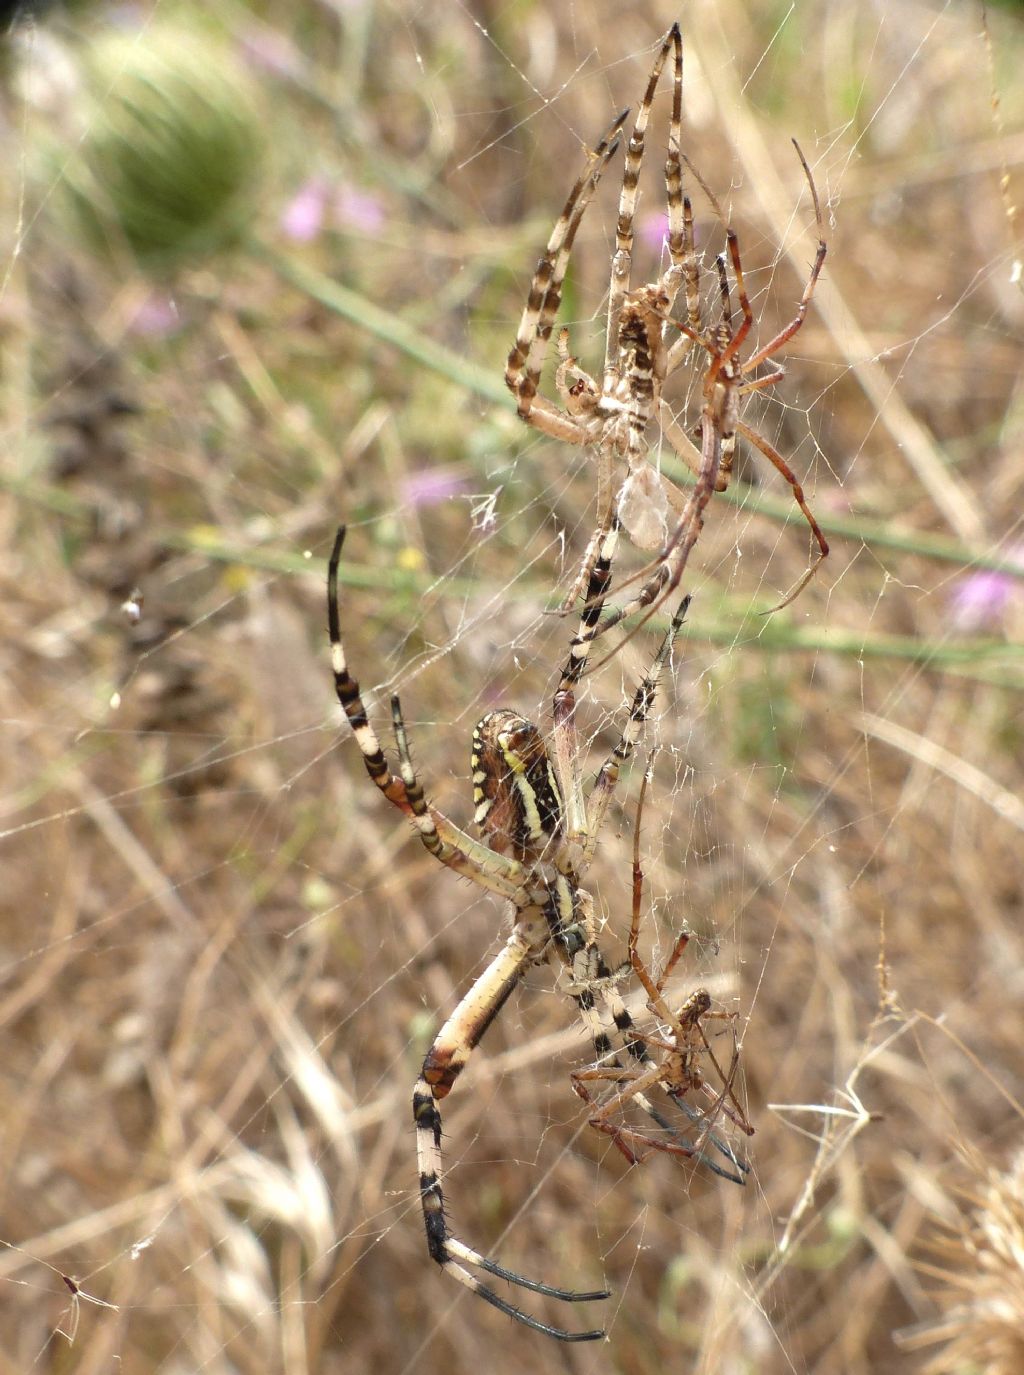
x=262, y=268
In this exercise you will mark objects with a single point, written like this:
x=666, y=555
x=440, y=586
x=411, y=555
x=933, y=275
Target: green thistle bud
x=169, y=165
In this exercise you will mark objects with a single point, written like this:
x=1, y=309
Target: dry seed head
x=982, y=1268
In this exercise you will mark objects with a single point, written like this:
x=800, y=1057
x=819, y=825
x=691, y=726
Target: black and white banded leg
x=444, y=1062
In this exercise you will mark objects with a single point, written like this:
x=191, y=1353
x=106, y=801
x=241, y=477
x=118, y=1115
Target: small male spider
x=644, y=346
x=683, y=1045
x=540, y=833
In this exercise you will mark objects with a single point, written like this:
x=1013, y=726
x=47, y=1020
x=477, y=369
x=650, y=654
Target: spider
x=644, y=347
x=680, y=1067
x=539, y=835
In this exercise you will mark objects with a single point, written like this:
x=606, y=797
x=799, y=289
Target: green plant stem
x=389, y=328
x=987, y=661
x=991, y=662
x=873, y=534
x=483, y=382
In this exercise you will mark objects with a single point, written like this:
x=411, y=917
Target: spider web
x=224, y=959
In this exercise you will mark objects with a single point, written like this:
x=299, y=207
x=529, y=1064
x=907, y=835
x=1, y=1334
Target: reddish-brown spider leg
x=601, y=1123
x=781, y=466
x=622, y=1135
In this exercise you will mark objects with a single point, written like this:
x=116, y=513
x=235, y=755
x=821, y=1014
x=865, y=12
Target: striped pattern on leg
x=608, y=777
x=565, y=742
x=623, y=258
x=626, y=1028
x=347, y=690
x=444, y=1062
x=593, y=980
x=522, y=371
x=442, y=839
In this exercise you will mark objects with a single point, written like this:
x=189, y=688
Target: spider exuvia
x=540, y=833
x=644, y=346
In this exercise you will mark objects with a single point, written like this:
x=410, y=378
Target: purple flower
x=980, y=601
x=157, y=316
x=431, y=486
x=358, y=209
x=303, y=216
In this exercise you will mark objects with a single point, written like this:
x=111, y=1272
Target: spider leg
x=445, y=841
x=586, y=819
x=785, y=334
x=636, y=355
x=623, y=257
x=718, y=438
x=706, y=1116
x=680, y=214
x=573, y=932
x=623, y=1135
x=584, y=395
x=705, y=1136
x=526, y=359
x=564, y=707
x=591, y=975
x=781, y=466
x=348, y=694
x=602, y=428
x=606, y=522
x=584, y=389
x=647, y=1071
x=654, y=987
x=665, y=572
x=683, y=447
x=738, y=1116
x=643, y=699
x=602, y=1113
x=760, y=356
x=730, y=424
x=681, y=245
x=444, y=1062
x=721, y=360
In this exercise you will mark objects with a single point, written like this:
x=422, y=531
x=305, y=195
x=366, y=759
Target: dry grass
x=222, y=956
